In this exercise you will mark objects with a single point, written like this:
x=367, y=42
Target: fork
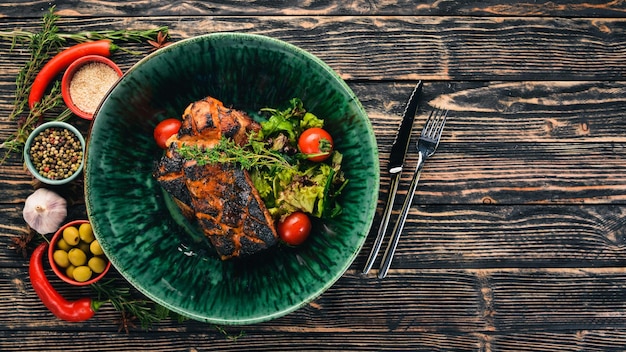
x=426, y=146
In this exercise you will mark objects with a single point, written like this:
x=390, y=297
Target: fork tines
x=434, y=124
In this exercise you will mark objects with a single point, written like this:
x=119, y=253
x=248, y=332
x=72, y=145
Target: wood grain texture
x=353, y=7
x=488, y=236
x=517, y=238
x=410, y=48
x=567, y=341
x=453, y=309
x=512, y=236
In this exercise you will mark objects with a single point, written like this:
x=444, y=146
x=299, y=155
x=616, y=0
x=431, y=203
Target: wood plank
x=521, y=173
x=502, y=173
x=574, y=341
x=423, y=310
x=471, y=236
x=489, y=301
x=249, y=341
x=317, y=8
x=470, y=48
x=490, y=111
x=510, y=236
x=599, y=340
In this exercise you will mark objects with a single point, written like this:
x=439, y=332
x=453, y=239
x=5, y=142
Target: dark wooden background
x=517, y=238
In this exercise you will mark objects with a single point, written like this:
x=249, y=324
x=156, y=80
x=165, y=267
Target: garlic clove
x=44, y=211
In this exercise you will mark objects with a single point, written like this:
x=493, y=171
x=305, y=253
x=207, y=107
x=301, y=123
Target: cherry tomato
x=295, y=228
x=316, y=141
x=164, y=130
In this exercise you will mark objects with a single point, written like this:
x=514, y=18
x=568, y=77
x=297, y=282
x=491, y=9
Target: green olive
x=69, y=271
x=61, y=244
x=71, y=236
x=84, y=246
x=61, y=258
x=97, y=264
x=82, y=273
x=95, y=249
x=77, y=256
x=86, y=233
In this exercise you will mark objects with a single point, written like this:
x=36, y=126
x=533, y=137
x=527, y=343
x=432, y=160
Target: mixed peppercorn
x=56, y=153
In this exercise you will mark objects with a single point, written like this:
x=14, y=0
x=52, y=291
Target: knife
x=396, y=161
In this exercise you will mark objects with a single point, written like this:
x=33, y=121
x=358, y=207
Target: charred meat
x=221, y=197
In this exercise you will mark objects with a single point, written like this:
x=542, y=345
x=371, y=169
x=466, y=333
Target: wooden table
x=517, y=237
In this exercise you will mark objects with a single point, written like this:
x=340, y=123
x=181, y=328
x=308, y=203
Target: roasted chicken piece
x=221, y=197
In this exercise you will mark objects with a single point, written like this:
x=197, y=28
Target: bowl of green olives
x=75, y=254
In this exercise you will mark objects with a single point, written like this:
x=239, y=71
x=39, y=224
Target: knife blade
x=396, y=161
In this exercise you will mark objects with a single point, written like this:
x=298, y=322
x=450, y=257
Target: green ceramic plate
x=144, y=234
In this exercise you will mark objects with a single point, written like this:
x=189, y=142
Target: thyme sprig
x=228, y=151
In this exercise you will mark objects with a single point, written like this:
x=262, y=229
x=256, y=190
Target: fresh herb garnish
x=253, y=155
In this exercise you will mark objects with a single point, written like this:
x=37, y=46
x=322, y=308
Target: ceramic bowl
x=144, y=233
x=82, y=93
x=31, y=164
x=60, y=271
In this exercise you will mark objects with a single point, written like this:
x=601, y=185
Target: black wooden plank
x=575, y=8
x=545, y=49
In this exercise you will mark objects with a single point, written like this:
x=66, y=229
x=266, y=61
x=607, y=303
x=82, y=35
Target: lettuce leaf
x=310, y=187
x=290, y=121
x=309, y=121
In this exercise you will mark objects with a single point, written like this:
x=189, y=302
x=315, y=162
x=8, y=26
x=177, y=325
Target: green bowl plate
x=144, y=234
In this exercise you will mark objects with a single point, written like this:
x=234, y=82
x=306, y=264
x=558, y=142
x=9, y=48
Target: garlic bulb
x=44, y=211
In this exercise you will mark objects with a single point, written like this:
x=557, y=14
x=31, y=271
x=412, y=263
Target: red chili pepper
x=78, y=310
x=61, y=61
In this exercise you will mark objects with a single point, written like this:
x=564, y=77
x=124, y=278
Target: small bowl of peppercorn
x=54, y=153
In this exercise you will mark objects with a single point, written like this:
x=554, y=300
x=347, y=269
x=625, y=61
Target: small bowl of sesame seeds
x=54, y=153
x=86, y=82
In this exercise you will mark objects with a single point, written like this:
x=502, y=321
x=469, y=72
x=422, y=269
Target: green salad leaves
x=310, y=187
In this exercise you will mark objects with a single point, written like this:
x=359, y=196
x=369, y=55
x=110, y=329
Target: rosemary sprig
x=50, y=28
x=146, y=311
x=116, y=35
x=27, y=123
x=41, y=45
x=227, y=151
x=123, y=35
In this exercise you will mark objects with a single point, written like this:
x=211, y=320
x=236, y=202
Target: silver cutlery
x=396, y=161
x=426, y=146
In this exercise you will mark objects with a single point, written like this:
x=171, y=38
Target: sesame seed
x=89, y=85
